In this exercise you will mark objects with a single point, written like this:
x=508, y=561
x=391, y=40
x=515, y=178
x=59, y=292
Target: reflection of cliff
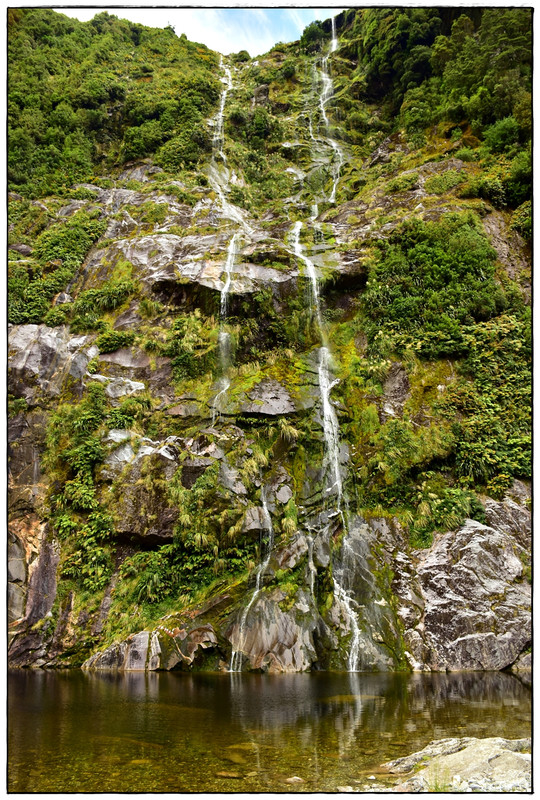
x=328, y=725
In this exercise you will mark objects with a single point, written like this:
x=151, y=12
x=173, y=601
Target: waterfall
x=311, y=566
x=326, y=93
x=346, y=601
x=236, y=656
x=334, y=43
x=224, y=339
x=219, y=138
x=218, y=174
x=331, y=468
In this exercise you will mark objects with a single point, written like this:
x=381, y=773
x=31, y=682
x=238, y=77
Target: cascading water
x=218, y=173
x=331, y=467
x=326, y=93
x=224, y=339
x=334, y=44
x=219, y=138
x=236, y=656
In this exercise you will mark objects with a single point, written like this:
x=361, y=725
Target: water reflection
x=72, y=731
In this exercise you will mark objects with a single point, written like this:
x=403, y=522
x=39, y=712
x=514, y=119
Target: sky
x=226, y=30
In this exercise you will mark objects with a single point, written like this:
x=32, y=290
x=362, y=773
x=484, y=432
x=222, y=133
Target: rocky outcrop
x=43, y=361
x=462, y=604
x=467, y=765
x=143, y=510
x=182, y=644
x=472, y=594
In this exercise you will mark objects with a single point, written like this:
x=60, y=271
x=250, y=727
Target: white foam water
x=331, y=466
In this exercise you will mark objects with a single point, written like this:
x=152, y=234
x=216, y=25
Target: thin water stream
x=224, y=338
x=238, y=649
x=331, y=464
x=218, y=173
x=71, y=731
x=325, y=95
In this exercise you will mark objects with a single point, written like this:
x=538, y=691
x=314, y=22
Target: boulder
x=468, y=765
x=523, y=663
x=159, y=649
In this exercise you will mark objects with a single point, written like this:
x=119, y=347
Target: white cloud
x=226, y=30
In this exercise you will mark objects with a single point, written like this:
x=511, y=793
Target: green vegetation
x=74, y=450
x=432, y=109
x=59, y=252
x=83, y=97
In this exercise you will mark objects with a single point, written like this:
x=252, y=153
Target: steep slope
x=270, y=387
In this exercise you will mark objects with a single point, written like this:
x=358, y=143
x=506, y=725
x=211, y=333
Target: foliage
x=502, y=135
x=439, y=184
x=192, y=345
x=428, y=281
x=443, y=508
x=59, y=251
x=312, y=37
x=109, y=341
x=83, y=95
x=74, y=450
x=403, y=183
x=522, y=220
x=130, y=410
x=491, y=405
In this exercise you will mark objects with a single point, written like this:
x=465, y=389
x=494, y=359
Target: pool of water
x=78, y=732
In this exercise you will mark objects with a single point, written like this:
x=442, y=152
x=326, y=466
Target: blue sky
x=226, y=30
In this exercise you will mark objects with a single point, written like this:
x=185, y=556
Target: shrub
x=522, y=220
x=240, y=57
x=403, y=183
x=502, y=135
x=439, y=184
x=109, y=341
x=56, y=316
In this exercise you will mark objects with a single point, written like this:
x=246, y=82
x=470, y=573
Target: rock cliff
x=269, y=407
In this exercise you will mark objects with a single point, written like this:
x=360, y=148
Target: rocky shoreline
x=456, y=765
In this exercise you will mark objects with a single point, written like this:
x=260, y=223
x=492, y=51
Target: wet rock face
x=26, y=442
x=476, y=598
x=277, y=641
x=42, y=361
x=17, y=578
x=32, y=561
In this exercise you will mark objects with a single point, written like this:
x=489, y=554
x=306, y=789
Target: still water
x=78, y=732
